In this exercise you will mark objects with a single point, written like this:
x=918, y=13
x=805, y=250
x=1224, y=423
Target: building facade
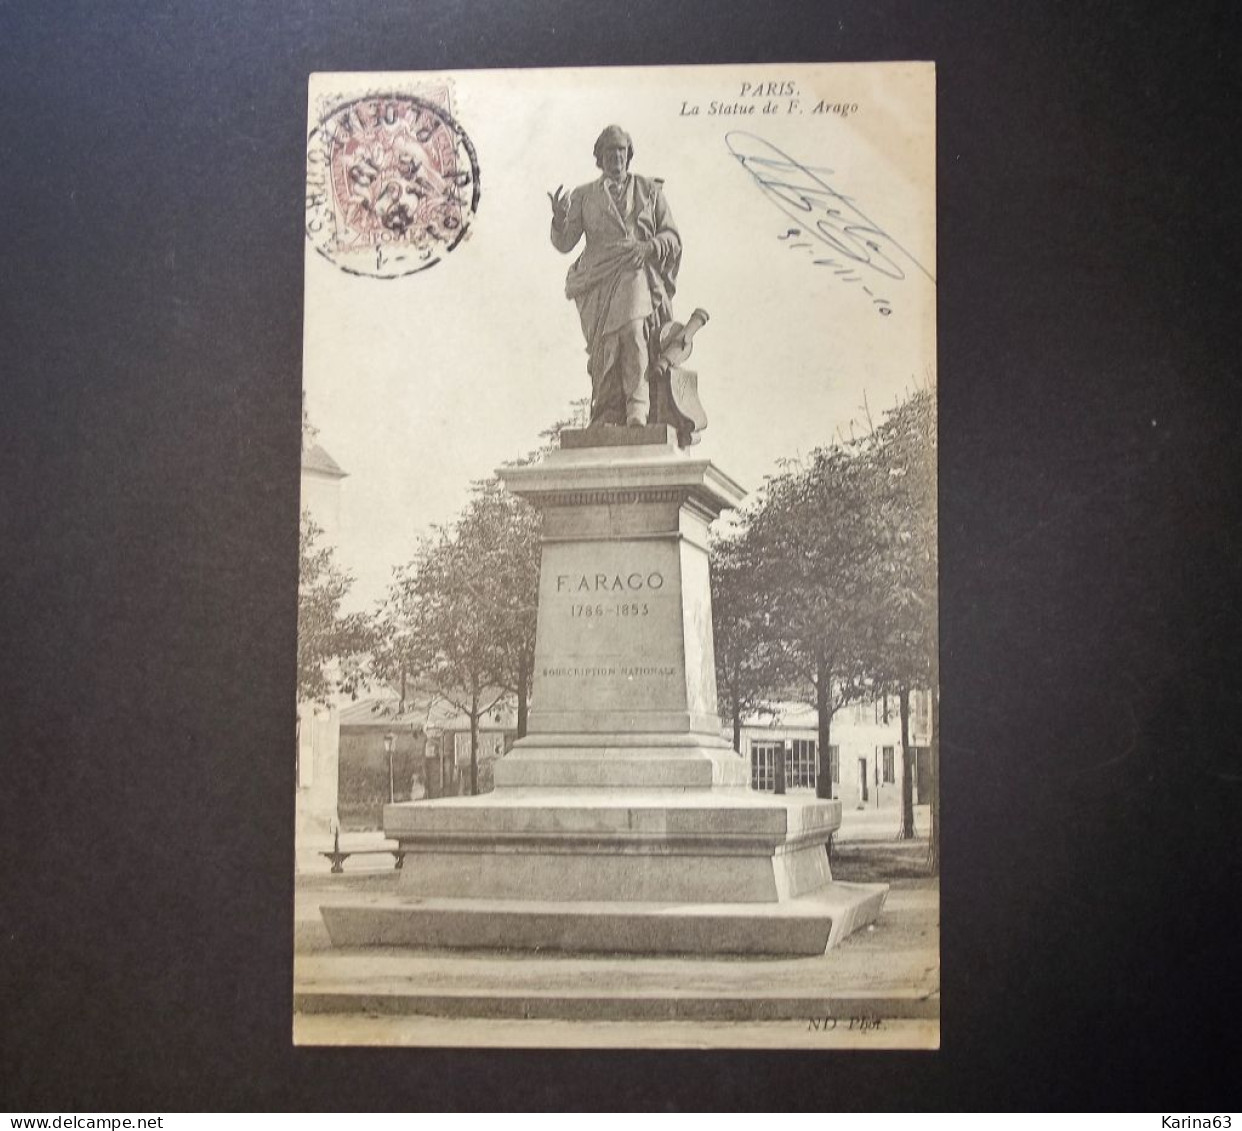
x=405, y=749
x=864, y=756
x=382, y=758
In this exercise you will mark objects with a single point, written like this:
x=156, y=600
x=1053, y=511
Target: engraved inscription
x=608, y=582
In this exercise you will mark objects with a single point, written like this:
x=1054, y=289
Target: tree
x=508, y=528
x=814, y=537
x=748, y=658
x=901, y=455
x=449, y=614
x=327, y=640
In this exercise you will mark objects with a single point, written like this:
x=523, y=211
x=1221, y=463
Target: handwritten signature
x=825, y=216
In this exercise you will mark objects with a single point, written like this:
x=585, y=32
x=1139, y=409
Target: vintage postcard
x=618, y=630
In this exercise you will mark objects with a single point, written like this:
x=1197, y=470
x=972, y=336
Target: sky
x=420, y=385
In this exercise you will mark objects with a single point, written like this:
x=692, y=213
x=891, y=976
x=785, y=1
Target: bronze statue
x=623, y=284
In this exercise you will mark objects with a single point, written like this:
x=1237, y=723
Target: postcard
x=617, y=656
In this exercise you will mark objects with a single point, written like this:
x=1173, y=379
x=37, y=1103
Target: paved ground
x=880, y=824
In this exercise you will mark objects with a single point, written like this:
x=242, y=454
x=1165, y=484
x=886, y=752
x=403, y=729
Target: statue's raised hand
x=560, y=205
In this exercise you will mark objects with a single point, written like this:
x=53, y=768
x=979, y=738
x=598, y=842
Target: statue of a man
x=624, y=279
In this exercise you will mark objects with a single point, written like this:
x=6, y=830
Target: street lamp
x=389, y=739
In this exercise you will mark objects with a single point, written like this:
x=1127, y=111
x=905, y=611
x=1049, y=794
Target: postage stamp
x=392, y=183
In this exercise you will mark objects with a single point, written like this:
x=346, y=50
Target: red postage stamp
x=392, y=183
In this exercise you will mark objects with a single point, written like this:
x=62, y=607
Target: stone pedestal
x=622, y=821
x=624, y=691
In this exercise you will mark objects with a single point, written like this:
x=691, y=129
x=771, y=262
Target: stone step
x=805, y=926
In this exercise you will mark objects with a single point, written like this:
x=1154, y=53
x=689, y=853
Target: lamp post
x=389, y=739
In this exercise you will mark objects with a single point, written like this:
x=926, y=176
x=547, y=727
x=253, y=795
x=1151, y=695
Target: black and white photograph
x=618, y=626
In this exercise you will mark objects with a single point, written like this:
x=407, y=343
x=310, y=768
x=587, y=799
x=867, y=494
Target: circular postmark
x=392, y=184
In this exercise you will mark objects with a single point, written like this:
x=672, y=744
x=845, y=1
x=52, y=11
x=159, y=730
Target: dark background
x=150, y=303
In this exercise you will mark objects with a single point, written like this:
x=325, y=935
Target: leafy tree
x=327, y=640
x=902, y=458
x=901, y=461
x=815, y=539
x=508, y=528
x=447, y=615
x=748, y=658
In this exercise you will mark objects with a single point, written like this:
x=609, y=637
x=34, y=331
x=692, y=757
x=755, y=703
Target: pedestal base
x=724, y=871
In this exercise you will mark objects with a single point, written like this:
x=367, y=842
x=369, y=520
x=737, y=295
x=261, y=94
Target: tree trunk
x=823, y=778
x=737, y=727
x=474, y=741
x=778, y=767
x=933, y=852
x=906, y=831
x=523, y=695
